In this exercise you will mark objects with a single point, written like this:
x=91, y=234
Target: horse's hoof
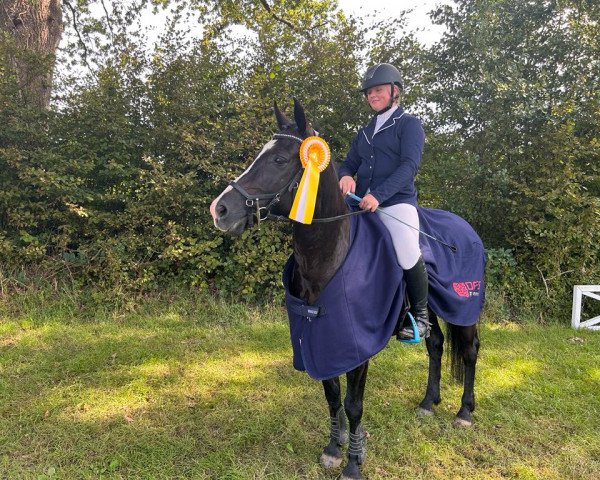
x=351, y=471
x=329, y=461
x=344, y=477
x=462, y=423
x=423, y=412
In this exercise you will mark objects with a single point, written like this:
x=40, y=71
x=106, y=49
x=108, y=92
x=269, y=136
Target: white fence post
x=579, y=291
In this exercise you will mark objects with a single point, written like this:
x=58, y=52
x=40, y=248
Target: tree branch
x=545, y=283
x=112, y=34
x=81, y=42
x=282, y=20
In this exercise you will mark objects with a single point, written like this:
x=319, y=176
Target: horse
x=265, y=190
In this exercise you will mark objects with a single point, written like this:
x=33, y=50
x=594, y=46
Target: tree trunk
x=35, y=27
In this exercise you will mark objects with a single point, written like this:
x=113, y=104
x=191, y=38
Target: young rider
x=385, y=156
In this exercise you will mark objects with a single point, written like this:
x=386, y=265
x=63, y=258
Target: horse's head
x=268, y=184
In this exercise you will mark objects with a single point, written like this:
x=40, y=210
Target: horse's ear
x=282, y=120
x=300, y=117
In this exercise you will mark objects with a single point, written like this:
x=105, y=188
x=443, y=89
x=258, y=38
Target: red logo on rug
x=467, y=289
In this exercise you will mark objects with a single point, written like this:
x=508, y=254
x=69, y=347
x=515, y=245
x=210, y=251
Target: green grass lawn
x=197, y=389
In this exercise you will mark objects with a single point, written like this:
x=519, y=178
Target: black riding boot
x=416, y=288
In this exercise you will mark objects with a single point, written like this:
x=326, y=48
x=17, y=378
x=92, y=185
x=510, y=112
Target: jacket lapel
x=369, y=129
x=390, y=121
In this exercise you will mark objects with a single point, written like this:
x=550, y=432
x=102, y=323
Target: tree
x=33, y=31
x=517, y=100
x=116, y=188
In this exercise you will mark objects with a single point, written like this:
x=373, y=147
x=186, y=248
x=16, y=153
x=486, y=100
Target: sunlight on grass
x=154, y=368
x=237, y=372
x=154, y=378
x=192, y=390
x=171, y=318
x=7, y=327
x=516, y=373
x=504, y=326
x=117, y=398
x=594, y=373
x=525, y=472
x=101, y=405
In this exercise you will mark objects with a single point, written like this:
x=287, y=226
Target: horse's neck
x=320, y=248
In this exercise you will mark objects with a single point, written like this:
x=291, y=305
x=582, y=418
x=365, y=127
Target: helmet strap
x=383, y=110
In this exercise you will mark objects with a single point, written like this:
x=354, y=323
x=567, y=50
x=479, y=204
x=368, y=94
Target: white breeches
x=405, y=239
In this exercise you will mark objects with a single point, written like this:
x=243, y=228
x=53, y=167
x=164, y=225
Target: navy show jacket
x=386, y=163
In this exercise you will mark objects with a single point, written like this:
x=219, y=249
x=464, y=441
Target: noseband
x=253, y=206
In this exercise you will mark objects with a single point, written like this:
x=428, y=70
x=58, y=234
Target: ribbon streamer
x=315, y=156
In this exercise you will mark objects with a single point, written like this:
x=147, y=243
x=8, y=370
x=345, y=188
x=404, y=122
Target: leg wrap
x=358, y=444
x=339, y=432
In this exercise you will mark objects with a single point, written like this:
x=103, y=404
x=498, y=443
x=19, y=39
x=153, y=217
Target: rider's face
x=379, y=96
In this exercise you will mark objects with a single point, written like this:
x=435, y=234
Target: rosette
x=315, y=156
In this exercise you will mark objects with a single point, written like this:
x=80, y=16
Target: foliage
x=116, y=191
x=515, y=136
x=112, y=186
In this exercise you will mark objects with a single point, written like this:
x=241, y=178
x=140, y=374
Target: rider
x=385, y=156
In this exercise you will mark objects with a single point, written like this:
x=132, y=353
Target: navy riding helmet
x=381, y=74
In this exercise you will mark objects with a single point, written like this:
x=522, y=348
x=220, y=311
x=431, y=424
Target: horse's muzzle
x=227, y=215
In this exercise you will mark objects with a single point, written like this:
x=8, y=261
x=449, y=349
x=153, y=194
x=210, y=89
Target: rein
x=318, y=220
x=263, y=213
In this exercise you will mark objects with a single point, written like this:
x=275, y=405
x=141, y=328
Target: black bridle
x=253, y=207
x=253, y=200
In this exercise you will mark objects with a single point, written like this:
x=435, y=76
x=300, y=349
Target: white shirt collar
x=384, y=117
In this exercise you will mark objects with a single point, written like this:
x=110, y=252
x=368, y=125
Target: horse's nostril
x=221, y=210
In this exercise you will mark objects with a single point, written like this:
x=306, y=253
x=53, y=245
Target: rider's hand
x=347, y=184
x=369, y=202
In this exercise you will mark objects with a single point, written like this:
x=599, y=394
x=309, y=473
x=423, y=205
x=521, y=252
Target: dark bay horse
x=267, y=187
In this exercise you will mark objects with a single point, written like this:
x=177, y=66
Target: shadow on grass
x=171, y=395
x=166, y=398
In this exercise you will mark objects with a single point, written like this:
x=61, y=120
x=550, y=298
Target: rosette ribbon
x=315, y=156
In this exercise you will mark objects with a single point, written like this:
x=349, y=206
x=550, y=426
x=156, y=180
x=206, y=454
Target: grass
x=192, y=388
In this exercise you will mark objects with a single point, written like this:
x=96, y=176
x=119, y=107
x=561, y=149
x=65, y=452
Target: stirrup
x=416, y=337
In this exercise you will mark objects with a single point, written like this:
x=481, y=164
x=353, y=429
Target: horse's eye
x=280, y=160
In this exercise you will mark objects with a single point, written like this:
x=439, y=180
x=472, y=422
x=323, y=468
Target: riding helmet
x=381, y=74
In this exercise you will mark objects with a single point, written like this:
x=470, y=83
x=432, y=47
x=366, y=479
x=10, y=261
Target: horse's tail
x=458, y=340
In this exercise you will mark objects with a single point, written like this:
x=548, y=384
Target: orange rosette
x=314, y=156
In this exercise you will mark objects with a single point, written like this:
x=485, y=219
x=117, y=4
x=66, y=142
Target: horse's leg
x=435, y=348
x=353, y=404
x=332, y=453
x=468, y=340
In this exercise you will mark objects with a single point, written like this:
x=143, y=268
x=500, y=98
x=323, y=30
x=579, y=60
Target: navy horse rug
x=357, y=311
